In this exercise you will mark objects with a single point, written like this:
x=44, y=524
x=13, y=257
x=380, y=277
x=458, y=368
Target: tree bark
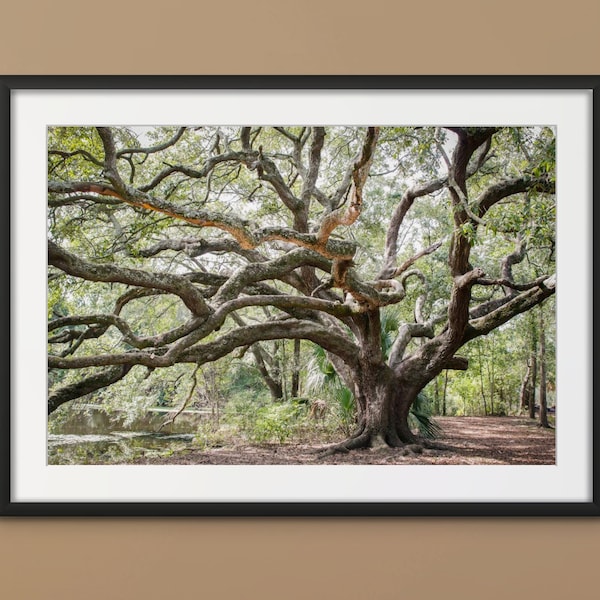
x=532, y=387
x=274, y=384
x=384, y=394
x=296, y=370
x=543, y=397
x=445, y=392
x=481, y=379
x=384, y=402
x=525, y=393
x=86, y=386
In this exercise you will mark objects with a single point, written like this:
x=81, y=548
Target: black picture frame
x=10, y=507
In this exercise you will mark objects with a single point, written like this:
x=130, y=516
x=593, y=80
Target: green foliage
x=497, y=365
x=209, y=435
x=469, y=232
x=345, y=408
x=261, y=421
x=390, y=321
x=321, y=373
x=274, y=423
x=244, y=377
x=420, y=417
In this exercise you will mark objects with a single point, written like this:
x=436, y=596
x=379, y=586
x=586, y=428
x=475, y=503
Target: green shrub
x=273, y=423
x=209, y=435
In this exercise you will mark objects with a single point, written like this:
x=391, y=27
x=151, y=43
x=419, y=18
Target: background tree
x=181, y=246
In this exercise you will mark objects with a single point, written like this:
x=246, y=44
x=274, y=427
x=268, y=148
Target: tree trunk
x=481, y=385
x=525, y=393
x=281, y=367
x=385, y=393
x=491, y=377
x=444, y=396
x=543, y=399
x=296, y=370
x=384, y=400
x=534, y=351
x=273, y=383
x=532, y=387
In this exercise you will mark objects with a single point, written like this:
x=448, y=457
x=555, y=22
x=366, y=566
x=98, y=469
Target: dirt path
x=466, y=441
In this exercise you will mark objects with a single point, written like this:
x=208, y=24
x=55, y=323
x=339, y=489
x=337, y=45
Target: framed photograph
x=299, y=296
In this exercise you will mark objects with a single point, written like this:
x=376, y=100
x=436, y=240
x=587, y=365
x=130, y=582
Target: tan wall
x=299, y=558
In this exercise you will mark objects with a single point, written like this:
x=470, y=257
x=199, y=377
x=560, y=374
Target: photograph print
x=301, y=295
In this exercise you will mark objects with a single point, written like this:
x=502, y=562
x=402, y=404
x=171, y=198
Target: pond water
x=91, y=436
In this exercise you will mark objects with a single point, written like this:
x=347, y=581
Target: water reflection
x=91, y=436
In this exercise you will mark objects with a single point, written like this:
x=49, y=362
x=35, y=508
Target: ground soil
x=465, y=441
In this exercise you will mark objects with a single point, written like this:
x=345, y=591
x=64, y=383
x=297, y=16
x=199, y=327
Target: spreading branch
x=180, y=286
x=360, y=172
x=86, y=386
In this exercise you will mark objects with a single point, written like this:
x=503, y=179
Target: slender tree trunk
x=508, y=404
x=532, y=387
x=273, y=383
x=436, y=397
x=491, y=377
x=481, y=379
x=444, y=396
x=543, y=397
x=296, y=370
x=282, y=369
x=534, y=350
x=525, y=393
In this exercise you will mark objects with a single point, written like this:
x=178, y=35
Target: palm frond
x=420, y=415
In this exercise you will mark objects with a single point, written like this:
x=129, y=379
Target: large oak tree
x=266, y=233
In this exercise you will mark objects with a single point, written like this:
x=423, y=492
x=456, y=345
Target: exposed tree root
x=353, y=443
x=369, y=440
x=412, y=449
x=430, y=445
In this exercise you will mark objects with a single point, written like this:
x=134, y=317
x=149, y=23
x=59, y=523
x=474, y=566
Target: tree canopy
x=182, y=245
